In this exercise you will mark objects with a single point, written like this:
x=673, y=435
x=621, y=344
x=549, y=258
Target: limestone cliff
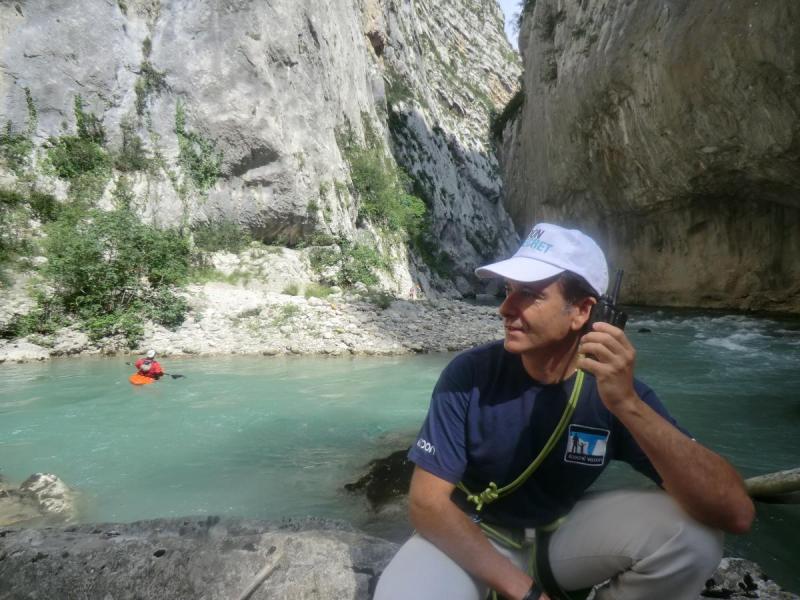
x=241, y=106
x=670, y=130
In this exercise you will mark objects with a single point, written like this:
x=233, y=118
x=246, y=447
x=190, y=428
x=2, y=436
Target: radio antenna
x=617, y=285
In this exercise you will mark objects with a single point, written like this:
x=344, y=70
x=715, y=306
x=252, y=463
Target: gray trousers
x=633, y=545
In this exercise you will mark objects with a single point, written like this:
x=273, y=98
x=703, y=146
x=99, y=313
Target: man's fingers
x=592, y=340
x=615, y=332
x=600, y=351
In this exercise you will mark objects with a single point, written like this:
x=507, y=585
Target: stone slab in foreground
x=213, y=559
x=201, y=559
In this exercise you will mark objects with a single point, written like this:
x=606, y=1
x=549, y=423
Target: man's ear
x=583, y=309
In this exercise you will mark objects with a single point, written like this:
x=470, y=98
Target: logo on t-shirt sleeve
x=586, y=445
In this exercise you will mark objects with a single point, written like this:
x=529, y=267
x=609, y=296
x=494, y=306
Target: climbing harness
x=538, y=562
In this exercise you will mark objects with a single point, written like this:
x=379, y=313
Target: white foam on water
x=741, y=342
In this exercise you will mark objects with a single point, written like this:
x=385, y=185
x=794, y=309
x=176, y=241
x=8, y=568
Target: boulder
x=22, y=351
x=41, y=499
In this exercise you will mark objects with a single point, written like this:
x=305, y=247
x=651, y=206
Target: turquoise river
x=270, y=437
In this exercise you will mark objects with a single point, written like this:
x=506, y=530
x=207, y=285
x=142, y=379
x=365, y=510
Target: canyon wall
x=669, y=130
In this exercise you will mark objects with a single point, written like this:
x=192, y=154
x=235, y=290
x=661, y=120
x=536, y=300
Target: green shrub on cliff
x=81, y=159
x=221, y=235
x=384, y=189
x=109, y=270
x=15, y=149
x=131, y=155
x=16, y=208
x=16, y=146
x=198, y=157
x=9, y=200
x=73, y=156
x=351, y=263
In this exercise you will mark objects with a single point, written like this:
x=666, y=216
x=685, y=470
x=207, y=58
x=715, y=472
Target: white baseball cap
x=550, y=250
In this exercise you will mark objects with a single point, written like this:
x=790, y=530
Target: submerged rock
x=386, y=481
x=42, y=499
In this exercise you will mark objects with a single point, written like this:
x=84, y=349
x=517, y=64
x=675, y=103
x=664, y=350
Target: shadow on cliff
x=466, y=224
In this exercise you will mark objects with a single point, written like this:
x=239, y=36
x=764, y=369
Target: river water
x=269, y=437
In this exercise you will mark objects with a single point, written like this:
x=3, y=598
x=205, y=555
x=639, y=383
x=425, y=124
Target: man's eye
x=523, y=292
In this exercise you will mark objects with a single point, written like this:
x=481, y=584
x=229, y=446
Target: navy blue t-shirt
x=488, y=420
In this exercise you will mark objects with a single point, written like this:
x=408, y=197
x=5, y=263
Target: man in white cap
x=149, y=366
x=518, y=429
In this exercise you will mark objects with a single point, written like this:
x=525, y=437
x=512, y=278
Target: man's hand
x=702, y=482
x=440, y=521
x=609, y=356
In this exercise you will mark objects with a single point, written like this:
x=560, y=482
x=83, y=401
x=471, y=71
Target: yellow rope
x=492, y=493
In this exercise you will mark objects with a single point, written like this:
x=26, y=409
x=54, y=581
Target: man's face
x=537, y=317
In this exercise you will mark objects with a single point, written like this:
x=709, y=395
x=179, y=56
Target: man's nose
x=509, y=307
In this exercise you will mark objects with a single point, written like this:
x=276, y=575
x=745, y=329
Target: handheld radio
x=606, y=309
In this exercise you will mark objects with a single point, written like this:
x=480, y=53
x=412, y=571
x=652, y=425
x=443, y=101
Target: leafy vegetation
x=397, y=88
x=198, y=157
x=106, y=270
x=132, y=155
x=9, y=200
x=109, y=270
x=16, y=147
x=527, y=7
x=44, y=206
x=220, y=235
x=150, y=81
x=81, y=159
x=291, y=289
x=73, y=156
x=351, y=262
x=427, y=247
x=421, y=236
x=286, y=313
x=382, y=187
x=316, y=290
x=380, y=299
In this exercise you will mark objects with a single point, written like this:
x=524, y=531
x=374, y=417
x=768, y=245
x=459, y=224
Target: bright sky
x=509, y=8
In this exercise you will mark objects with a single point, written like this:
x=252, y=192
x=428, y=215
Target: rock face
x=242, y=106
x=192, y=558
x=670, y=131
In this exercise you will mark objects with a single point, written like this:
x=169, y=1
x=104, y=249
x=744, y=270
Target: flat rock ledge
x=215, y=559
x=226, y=319
x=198, y=558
